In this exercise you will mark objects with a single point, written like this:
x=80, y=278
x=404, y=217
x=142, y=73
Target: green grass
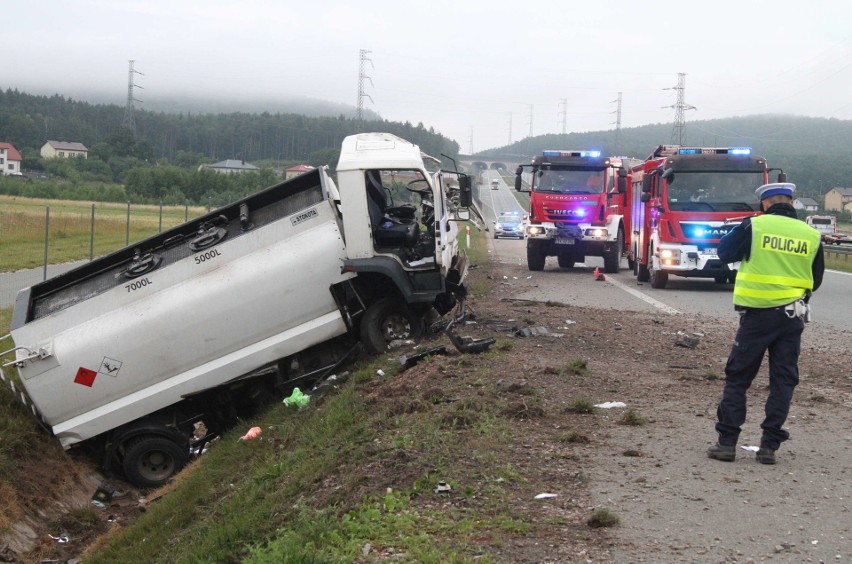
x=306, y=491
x=22, y=229
x=842, y=263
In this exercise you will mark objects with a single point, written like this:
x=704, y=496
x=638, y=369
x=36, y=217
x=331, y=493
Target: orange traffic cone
x=597, y=274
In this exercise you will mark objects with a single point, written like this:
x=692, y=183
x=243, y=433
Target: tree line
x=160, y=161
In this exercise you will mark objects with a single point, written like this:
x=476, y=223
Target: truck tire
x=535, y=256
x=150, y=460
x=659, y=278
x=387, y=320
x=565, y=260
x=612, y=259
x=642, y=272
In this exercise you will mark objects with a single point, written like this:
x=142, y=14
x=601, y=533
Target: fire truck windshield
x=566, y=181
x=713, y=191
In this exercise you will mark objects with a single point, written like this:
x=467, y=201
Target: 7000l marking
x=138, y=284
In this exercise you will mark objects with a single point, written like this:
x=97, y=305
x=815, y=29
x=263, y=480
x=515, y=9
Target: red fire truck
x=683, y=200
x=577, y=203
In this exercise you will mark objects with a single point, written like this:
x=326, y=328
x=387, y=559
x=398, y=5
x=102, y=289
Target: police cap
x=783, y=188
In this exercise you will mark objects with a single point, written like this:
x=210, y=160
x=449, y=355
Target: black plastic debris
x=468, y=345
x=409, y=361
x=687, y=341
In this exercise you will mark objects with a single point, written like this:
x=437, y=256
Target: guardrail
x=839, y=251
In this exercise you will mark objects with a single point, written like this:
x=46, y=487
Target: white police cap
x=784, y=188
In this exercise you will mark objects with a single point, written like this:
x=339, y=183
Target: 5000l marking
x=207, y=256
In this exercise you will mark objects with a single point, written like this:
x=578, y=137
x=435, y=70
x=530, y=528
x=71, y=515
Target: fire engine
x=683, y=200
x=577, y=203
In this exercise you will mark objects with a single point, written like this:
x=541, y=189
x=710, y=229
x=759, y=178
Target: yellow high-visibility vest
x=778, y=270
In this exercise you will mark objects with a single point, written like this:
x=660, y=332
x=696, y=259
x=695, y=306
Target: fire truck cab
x=577, y=203
x=683, y=201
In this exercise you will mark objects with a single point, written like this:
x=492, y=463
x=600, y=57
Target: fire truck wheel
x=387, y=320
x=565, y=260
x=612, y=259
x=535, y=256
x=659, y=278
x=150, y=460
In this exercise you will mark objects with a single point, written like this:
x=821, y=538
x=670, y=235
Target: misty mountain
x=28, y=121
x=814, y=152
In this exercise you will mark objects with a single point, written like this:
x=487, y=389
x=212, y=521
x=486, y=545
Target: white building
x=10, y=160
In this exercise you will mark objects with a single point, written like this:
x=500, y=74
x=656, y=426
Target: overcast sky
x=475, y=70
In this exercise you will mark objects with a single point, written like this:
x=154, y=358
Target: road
x=621, y=291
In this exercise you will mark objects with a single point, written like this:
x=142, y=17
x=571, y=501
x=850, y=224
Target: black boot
x=726, y=453
x=765, y=456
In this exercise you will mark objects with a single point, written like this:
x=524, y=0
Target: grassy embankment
x=304, y=491
x=22, y=226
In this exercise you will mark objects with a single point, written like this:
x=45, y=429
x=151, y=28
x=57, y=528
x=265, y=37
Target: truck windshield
x=565, y=181
x=820, y=221
x=713, y=191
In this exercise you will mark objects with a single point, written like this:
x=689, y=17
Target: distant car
x=495, y=184
x=509, y=224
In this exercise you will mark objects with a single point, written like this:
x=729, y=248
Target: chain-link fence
x=39, y=240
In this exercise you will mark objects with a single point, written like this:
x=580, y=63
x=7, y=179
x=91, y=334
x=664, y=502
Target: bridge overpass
x=496, y=162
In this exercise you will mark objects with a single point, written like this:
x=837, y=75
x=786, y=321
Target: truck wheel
x=659, y=278
x=642, y=272
x=612, y=259
x=535, y=256
x=565, y=260
x=149, y=461
x=387, y=320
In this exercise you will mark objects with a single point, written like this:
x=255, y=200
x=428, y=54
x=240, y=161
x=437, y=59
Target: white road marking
x=657, y=304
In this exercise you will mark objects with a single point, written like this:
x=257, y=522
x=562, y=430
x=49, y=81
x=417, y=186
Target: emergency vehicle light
x=714, y=151
x=552, y=153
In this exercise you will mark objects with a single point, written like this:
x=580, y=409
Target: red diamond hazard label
x=85, y=377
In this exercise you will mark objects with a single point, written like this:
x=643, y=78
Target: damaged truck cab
x=147, y=353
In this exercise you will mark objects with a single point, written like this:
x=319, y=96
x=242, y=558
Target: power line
x=129, y=120
x=617, y=122
x=678, y=130
x=361, y=77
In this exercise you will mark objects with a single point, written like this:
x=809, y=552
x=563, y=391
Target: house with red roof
x=10, y=160
x=295, y=171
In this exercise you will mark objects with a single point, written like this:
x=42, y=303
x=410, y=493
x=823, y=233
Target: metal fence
x=41, y=241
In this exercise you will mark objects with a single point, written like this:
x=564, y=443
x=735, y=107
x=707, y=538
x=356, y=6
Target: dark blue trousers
x=761, y=330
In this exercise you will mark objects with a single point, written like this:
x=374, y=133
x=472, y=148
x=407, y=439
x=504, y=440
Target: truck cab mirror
x=646, y=197
x=465, y=195
x=621, y=182
x=646, y=184
x=782, y=177
x=518, y=182
x=519, y=171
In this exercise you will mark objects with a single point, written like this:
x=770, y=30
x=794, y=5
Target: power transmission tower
x=678, y=131
x=470, y=142
x=531, y=120
x=510, y=128
x=129, y=120
x=361, y=77
x=617, y=122
x=563, y=103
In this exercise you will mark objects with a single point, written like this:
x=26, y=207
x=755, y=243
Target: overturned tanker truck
x=131, y=352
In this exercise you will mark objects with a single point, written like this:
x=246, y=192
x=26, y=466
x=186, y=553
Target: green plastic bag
x=297, y=398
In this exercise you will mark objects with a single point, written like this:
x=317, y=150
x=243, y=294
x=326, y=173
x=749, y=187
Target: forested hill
x=814, y=152
x=27, y=121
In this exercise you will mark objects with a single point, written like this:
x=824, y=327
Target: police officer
x=782, y=263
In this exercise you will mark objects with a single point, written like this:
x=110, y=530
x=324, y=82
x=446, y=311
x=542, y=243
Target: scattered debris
x=443, y=488
x=380, y=372
x=468, y=345
x=297, y=398
x=610, y=404
x=7, y=554
x=254, y=432
x=545, y=495
x=61, y=539
x=396, y=343
x=536, y=331
x=409, y=361
x=687, y=341
x=750, y=448
x=684, y=366
x=331, y=380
